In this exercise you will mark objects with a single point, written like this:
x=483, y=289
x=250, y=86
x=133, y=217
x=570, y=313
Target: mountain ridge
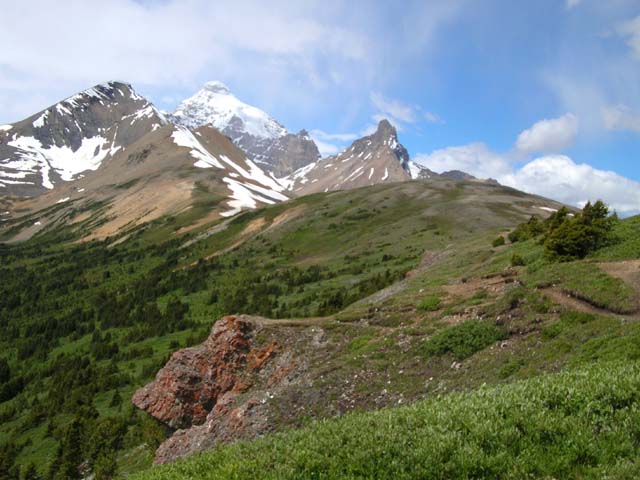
x=375, y=158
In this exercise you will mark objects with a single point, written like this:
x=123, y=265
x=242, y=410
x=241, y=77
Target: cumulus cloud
x=573, y=3
x=549, y=135
x=620, y=117
x=560, y=178
x=476, y=159
x=552, y=176
x=331, y=143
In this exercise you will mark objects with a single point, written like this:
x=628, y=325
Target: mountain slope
x=73, y=136
x=261, y=137
x=170, y=171
x=377, y=158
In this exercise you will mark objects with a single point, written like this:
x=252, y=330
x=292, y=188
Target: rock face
x=216, y=391
x=73, y=136
x=377, y=158
x=285, y=155
x=262, y=138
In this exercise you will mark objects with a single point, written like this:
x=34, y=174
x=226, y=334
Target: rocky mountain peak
x=385, y=129
x=376, y=158
x=385, y=134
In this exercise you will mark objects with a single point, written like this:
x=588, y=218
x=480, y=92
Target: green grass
x=626, y=244
x=575, y=425
x=587, y=282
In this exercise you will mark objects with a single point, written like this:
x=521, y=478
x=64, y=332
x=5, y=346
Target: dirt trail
x=560, y=297
x=628, y=271
x=491, y=284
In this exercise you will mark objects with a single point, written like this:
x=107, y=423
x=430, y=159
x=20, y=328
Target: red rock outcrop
x=216, y=391
x=188, y=387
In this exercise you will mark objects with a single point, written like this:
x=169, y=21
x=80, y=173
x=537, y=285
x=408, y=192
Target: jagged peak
x=384, y=126
x=385, y=134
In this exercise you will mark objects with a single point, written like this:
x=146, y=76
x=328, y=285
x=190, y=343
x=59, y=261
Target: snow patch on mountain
x=64, y=160
x=183, y=137
x=39, y=122
x=242, y=197
x=416, y=170
x=301, y=174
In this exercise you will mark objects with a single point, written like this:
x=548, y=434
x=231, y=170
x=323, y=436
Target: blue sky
x=543, y=95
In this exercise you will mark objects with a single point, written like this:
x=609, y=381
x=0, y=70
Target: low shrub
x=429, y=304
x=463, y=340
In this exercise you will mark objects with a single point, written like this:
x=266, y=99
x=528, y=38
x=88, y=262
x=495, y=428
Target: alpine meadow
x=422, y=263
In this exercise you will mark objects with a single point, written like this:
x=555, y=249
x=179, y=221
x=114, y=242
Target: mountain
x=200, y=175
x=73, y=136
x=116, y=163
x=262, y=138
x=371, y=160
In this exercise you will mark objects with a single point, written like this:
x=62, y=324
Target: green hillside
x=413, y=299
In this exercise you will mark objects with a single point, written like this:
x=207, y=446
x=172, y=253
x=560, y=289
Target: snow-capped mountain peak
x=263, y=139
x=215, y=105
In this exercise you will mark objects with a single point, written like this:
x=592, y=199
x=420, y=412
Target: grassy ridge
x=578, y=424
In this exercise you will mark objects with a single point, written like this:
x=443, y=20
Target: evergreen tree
x=69, y=454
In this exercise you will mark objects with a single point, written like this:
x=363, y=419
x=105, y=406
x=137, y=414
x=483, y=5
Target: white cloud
x=341, y=137
x=331, y=143
x=560, y=178
x=549, y=135
x=398, y=113
x=620, y=117
x=394, y=109
x=475, y=158
x=553, y=176
x=631, y=31
x=172, y=44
